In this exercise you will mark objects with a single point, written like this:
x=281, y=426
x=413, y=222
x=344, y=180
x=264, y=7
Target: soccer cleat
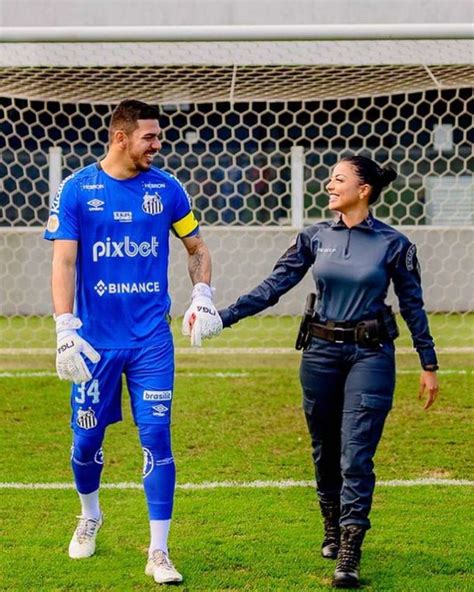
x=82, y=544
x=348, y=558
x=159, y=566
x=330, y=511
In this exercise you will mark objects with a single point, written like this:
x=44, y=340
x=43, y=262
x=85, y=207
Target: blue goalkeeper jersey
x=122, y=228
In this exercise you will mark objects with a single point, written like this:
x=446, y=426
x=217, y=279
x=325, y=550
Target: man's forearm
x=199, y=265
x=63, y=286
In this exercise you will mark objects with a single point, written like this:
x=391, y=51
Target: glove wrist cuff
x=202, y=289
x=67, y=322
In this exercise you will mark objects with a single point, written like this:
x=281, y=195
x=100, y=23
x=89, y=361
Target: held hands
x=429, y=386
x=70, y=364
x=201, y=320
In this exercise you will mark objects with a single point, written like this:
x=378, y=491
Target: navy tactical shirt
x=352, y=269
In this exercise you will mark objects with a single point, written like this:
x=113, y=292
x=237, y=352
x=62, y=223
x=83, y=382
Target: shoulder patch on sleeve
x=410, y=258
x=53, y=223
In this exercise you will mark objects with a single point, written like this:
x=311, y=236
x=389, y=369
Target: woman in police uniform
x=348, y=366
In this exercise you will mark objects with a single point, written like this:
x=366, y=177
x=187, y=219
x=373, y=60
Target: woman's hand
x=429, y=385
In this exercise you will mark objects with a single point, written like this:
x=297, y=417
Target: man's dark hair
x=127, y=113
x=371, y=173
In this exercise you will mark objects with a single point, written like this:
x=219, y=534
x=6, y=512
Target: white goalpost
x=253, y=120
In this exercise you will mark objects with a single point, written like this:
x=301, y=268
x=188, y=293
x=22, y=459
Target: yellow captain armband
x=186, y=225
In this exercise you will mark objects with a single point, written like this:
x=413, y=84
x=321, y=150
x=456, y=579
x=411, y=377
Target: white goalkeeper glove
x=201, y=320
x=70, y=364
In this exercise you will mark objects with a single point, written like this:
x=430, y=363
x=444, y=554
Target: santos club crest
x=152, y=204
x=86, y=418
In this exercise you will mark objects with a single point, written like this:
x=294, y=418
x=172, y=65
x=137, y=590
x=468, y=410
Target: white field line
x=178, y=374
x=285, y=484
x=215, y=374
x=236, y=351
x=445, y=372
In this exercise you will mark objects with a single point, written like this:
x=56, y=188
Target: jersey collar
x=367, y=224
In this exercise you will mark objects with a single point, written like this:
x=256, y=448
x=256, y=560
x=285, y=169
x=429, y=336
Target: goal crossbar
x=238, y=33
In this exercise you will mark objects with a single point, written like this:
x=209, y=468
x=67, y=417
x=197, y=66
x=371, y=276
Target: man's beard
x=140, y=164
x=143, y=168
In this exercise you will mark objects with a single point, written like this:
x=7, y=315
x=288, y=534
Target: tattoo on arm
x=199, y=264
x=195, y=267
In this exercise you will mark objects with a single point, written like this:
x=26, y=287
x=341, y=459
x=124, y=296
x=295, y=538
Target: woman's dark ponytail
x=387, y=175
x=371, y=173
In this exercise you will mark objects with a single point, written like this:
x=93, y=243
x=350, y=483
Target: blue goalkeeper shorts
x=149, y=373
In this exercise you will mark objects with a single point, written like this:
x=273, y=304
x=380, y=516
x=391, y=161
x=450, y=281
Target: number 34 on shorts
x=88, y=391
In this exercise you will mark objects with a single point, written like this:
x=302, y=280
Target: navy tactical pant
x=347, y=394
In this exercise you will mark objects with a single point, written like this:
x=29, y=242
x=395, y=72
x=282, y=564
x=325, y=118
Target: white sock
x=159, y=530
x=90, y=504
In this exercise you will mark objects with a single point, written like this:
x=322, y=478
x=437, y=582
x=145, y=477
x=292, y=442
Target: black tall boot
x=331, y=512
x=348, y=558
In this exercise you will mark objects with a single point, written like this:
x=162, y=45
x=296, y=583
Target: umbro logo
x=160, y=410
x=95, y=205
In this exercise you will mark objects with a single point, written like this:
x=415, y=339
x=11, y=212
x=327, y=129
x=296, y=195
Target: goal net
x=252, y=130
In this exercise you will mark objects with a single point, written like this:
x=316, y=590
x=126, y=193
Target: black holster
x=304, y=336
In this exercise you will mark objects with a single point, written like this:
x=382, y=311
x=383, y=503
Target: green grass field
x=245, y=427
x=450, y=330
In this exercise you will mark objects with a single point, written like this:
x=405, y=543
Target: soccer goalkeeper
x=110, y=223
